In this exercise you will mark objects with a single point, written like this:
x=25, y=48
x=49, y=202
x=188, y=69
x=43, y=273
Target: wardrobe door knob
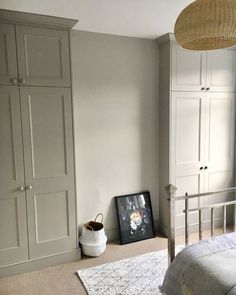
x=29, y=187
x=21, y=188
x=201, y=168
x=22, y=81
x=203, y=88
x=208, y=88
x=205, y=167
x=14, y=81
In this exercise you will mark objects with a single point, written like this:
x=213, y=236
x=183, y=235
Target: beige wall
x=115, y=90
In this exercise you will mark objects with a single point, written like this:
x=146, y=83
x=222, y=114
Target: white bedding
x=177, y=275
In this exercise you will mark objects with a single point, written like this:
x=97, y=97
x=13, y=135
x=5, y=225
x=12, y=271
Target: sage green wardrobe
x=37, y=183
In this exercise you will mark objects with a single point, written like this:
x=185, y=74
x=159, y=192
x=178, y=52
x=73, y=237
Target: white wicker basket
x=93, y=250
x=93, y=238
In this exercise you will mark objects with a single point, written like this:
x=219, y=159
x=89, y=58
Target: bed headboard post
x=171, y=191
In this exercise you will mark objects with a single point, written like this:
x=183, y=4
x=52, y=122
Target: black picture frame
x=135, y=217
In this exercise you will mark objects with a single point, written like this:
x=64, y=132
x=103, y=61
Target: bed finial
x=171, y=191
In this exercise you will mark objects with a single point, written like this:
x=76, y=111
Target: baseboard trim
x=163, y=229
x=194, y=228
x=113, y=233
x=35, y=264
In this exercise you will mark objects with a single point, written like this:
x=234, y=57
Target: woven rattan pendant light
x=207, y=25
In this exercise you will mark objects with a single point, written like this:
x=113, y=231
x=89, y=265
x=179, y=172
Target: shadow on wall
x=149, y=131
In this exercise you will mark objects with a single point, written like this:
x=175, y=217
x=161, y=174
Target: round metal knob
x=201, y=168
x=14, y=81
x=205, y=167
x=29, y=187
x=21, y=189
x=203, y=88
x=208, y=88
x=22, y=81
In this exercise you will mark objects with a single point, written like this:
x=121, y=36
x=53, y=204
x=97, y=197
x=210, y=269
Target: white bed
x=204, y=268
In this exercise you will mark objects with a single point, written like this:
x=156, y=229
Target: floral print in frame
x=135, y=217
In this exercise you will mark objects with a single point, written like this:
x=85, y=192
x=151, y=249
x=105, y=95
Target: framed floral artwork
x=135, y=217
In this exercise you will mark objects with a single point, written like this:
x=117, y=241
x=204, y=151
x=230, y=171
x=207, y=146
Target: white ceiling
x=137, y=18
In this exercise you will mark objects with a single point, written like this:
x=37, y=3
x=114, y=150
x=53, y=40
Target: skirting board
x=113, y=233
x=194, y=228
x=35, y=264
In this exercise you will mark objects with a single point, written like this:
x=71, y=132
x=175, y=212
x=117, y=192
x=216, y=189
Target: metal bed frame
x=172, y=198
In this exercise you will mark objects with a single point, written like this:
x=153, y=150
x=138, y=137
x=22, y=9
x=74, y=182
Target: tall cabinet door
x=8, y=63
x=221, y=69
x=187, y=144
x=48, y=147
x=43, y=56
x=188, y=69
x=13, y=224
x=219, y=148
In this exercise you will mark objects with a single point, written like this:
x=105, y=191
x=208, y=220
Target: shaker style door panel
x=187, y=149
x=13, y=224
x=221, y=68
x=191, y=184
x=43, y=56
x=49, y=169
x=217, y=180
x=188, y=69
x=220, y=131
x=187, y=132
x=220, y=146
x=8, y=62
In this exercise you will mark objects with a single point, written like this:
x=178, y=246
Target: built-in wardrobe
x=37, y=182
x=197, y=125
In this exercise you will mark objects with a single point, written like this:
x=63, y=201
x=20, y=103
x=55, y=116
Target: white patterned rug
x=133, y=276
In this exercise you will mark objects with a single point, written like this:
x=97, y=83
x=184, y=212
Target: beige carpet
x=61, y=279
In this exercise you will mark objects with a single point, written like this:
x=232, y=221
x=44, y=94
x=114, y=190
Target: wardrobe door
x=43, y=56
x=220, y=146
x=188, y=69
x=8, y=63
x=221, y=70
x=187, y=148
x=48, y=147
x=13, y=224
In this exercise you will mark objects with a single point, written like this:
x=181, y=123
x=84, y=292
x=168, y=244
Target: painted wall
x=115, y=90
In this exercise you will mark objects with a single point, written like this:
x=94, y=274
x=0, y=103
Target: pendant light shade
x=207, y=25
